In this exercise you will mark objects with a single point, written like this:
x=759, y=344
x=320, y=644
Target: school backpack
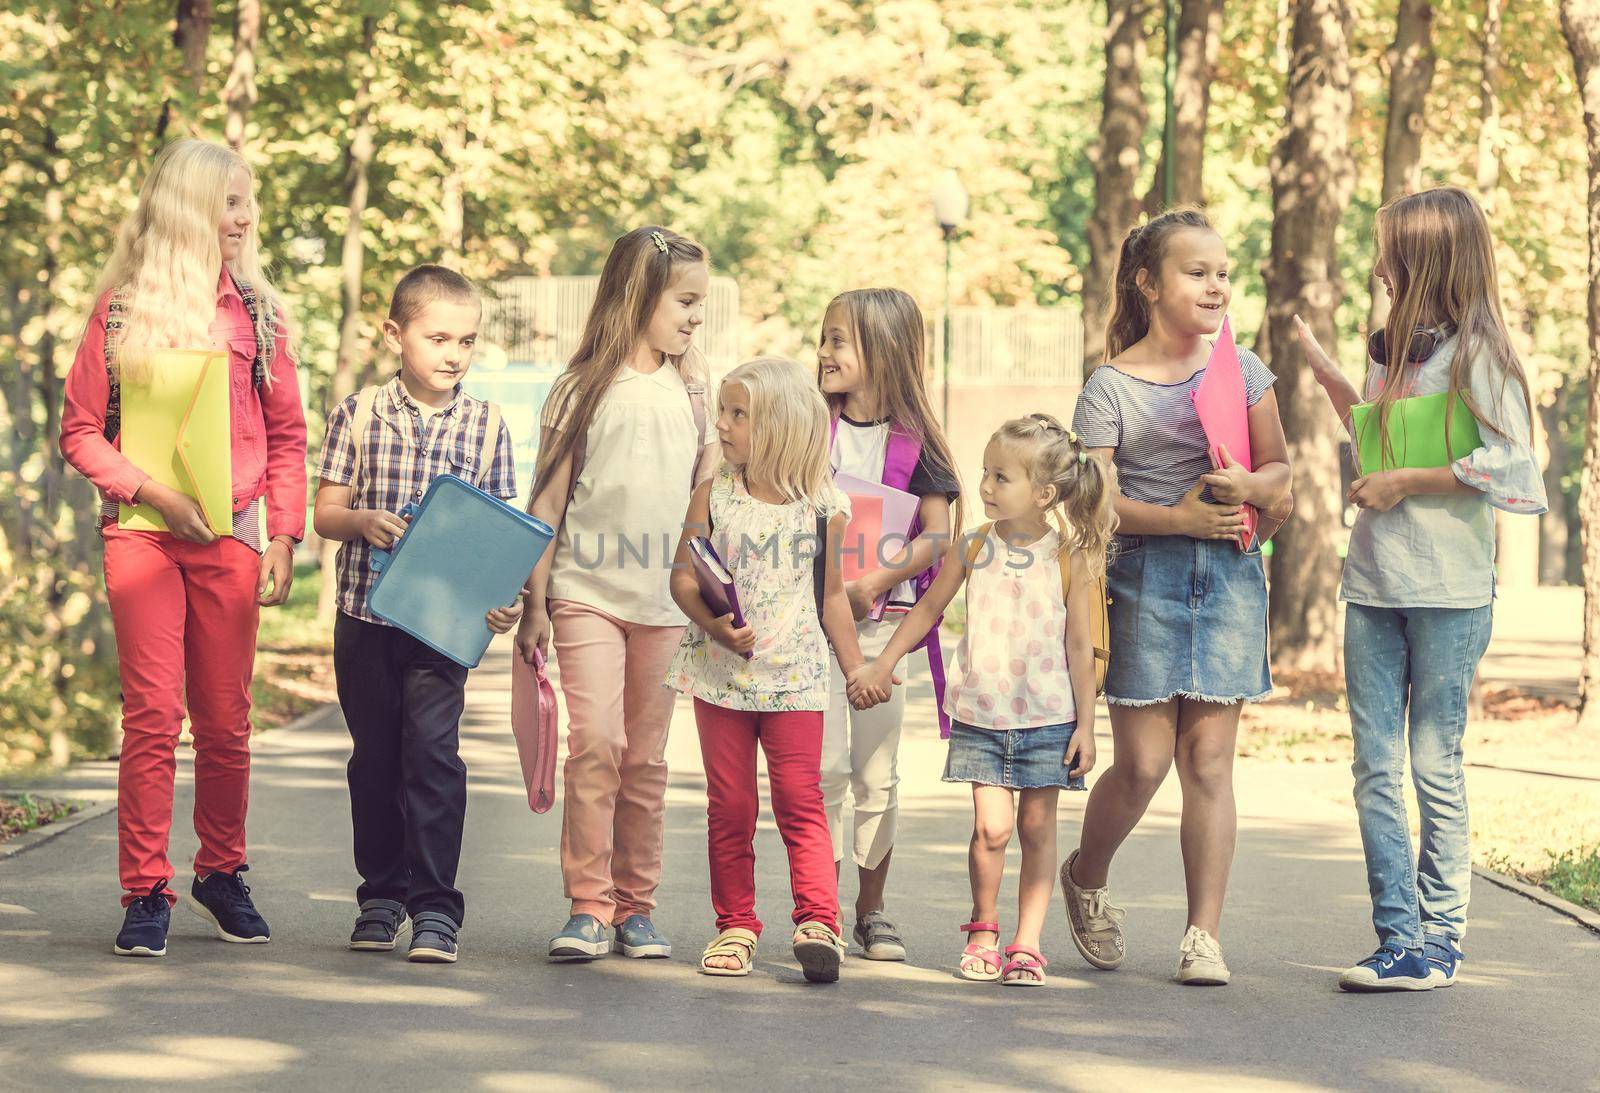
x=116, y=308
x=361, y=419
x=1099, y=604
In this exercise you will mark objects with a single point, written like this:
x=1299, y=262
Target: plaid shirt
x=404, y=452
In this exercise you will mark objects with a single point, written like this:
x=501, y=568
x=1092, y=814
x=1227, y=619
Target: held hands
x=1079, y=759
x=1230, y=485
x=533, y=633
x=869, y=684
x=277, y=570
x=741, y=639
x=1200, y=520
x=1382, y=490
x=380, y=528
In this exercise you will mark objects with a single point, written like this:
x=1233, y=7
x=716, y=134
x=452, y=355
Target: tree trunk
x=1118, y=155
x=1312, y=180
x=352, y=263
x=1411, y=63
x=191, y=33
x=1489, y=108
x=1580, y=22
x=240, y=90
x=1553, y=525
x=1199, y=38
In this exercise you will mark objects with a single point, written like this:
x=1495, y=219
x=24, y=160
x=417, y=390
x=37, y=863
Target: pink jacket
x=269, y=424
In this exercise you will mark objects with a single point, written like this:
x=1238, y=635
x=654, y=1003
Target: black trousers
x=408, y=786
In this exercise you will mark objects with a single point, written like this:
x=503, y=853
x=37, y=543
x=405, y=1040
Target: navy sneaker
x=223, y=900
x=378, y=926
x=1391, y=968
x=144, y=924
x=1444, y=958
x=638, y=937
x=582, y=938
x=433, y=939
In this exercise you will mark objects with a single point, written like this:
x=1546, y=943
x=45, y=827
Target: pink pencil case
x=534, y=725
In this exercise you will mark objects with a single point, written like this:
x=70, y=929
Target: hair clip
x=1072, y=436
x=660, y=241
x=1083, y=457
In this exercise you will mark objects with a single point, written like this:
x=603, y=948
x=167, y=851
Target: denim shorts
x=1014, y=758
x=1188, y=618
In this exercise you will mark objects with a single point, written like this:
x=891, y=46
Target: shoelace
x=234, y=891
x=149, y=906
x=1101, y=907
x=1202, y=946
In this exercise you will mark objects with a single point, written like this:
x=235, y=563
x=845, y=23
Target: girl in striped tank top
x=1189, y=608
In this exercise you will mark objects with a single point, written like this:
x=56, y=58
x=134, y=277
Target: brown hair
x=889, y=332
x=425, y=284
x=641, y=266
x=1143, y=249
x=1439, y=257
x=1084, y=483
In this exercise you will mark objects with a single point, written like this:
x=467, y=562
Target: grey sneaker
x=433, y=939
x=638, y=937
x=879, y=937
x=378, y=926
x=583, y=938
x=1096, y=921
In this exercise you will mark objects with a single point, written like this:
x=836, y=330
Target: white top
x=769, y=550
x=615, y=547
x=1011, y=667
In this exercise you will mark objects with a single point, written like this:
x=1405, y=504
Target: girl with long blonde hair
x=186, y=274
x=1419, y=574
x=623, y=443
x=779, y=518
x=871, y=365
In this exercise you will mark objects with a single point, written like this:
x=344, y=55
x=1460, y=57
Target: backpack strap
x=360, y=421
x=491, y=439
x=697, y=408
x=900, y=459
x=264, y=339
x=819, y=567
x=116, y=313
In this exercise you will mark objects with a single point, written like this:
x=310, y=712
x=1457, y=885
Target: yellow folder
x=178, y=429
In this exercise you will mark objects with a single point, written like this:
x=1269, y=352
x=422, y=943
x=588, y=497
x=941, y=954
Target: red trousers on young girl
x=185, y=618
x=792, y=743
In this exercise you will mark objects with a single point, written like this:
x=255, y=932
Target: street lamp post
x=950, y=203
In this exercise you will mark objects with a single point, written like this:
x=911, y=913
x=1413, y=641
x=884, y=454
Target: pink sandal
x=988, y=954
x=1024, y=969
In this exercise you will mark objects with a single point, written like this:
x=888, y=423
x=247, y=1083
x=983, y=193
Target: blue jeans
x=1423, y=658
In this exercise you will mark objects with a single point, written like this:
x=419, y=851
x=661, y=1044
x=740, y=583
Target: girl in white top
x=619, y=454
x=1022, y=694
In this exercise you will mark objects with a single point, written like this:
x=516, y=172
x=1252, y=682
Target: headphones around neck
x=1425, y=342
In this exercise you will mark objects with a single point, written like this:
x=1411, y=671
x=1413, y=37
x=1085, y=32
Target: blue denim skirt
x=1014, y=758
x=1188, y=619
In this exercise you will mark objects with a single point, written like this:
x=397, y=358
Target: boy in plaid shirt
x=402, y=700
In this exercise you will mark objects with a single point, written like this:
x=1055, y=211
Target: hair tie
x=660, y=241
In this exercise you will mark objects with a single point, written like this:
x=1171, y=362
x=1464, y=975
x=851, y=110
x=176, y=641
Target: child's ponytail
x=1084, y=483
x=1143, y=248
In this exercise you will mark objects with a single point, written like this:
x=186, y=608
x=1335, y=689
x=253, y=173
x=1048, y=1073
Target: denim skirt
x=1014, y=758
x=1188, y=619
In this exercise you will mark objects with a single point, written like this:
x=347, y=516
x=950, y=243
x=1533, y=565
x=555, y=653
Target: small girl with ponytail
x=1023, y=690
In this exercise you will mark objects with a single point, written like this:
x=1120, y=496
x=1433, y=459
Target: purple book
x=716, y=583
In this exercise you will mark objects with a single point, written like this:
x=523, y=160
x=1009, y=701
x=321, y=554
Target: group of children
x=1127, y=505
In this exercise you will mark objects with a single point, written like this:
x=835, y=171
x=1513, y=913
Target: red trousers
x=185, y=617
x=792, y=743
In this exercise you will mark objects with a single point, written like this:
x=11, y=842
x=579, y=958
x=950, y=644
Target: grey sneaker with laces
x=1096, y=921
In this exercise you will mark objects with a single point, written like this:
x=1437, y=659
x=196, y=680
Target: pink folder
x=534, y=726
x=1224, y=411
x=876, y=512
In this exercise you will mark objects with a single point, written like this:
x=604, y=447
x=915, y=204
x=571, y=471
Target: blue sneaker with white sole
x=1444, y=958
x=638, y=937
x=223, y=899
x=144, y=924
x=583, y=938
x=1391, y=968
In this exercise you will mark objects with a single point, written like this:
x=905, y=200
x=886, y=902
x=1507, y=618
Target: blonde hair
x=1437, y=251
x=889, y=332
x=788, y=430
x=1143, y=250
x=166, y=259
x=1085, y=484
x=642, y=265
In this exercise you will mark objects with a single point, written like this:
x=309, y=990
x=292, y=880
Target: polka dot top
x=1011, y=667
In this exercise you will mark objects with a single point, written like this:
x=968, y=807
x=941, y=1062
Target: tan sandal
x=735, y=942
x=819, y=949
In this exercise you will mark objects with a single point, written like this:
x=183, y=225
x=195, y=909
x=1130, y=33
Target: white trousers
x=860, y=752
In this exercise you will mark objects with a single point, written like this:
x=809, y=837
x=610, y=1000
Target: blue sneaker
x=433, y=939
x=1391, y=968
x=1444, y=958
x=144, y=925
x=638, y=937
x=223, y=900
x=582, y=938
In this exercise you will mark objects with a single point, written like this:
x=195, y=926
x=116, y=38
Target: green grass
x=1574, y=875
x=26, y=812
x=294, y=656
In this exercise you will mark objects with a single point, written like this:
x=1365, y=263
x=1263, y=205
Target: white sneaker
x=1200, y=960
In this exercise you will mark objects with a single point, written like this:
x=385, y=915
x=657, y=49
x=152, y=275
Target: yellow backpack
x=1099, y=604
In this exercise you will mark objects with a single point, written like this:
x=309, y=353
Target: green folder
x=1416, y=433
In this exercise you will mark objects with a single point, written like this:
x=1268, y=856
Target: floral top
x=1011, y=666
x=768, y=550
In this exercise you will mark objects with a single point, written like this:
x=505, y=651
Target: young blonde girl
x=186, y=274
x=623, y=442
x=1188, y=606
x=1419, y=575
x=1022, y=695
x=766, y=509
x=871, y=359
